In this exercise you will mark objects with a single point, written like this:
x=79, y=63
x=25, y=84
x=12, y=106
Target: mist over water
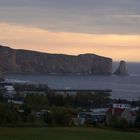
x=124, y=87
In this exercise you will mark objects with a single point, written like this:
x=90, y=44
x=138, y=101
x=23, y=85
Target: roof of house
x=119, y=111
x=9, y=88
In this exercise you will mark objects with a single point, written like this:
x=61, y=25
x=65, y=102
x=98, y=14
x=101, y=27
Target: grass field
x=64, y=134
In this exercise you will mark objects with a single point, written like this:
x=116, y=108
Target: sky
x=105, y=27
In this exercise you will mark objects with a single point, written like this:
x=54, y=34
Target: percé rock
x=31, y=62
x=122, y=69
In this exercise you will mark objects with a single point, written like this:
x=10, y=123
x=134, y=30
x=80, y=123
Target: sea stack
x=122, y=69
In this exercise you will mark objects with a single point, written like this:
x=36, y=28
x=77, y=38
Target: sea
x=123, y=87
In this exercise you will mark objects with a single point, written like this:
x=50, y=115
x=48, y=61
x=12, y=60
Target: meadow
x=65, y=134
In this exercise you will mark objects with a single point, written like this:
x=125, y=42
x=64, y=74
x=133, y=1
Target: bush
x=59, y=116
x=120, y=123
x=123, y=124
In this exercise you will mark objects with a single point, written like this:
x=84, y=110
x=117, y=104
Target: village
x=67, y=107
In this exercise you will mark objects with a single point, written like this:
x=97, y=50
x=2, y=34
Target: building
x=92, y=117
x=121, y=111
x=121, y=106
x=17, y=102
x=8, y=90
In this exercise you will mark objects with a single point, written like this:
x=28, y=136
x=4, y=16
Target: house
x=121, y=111
x=79, y=121
x=91, y=117
x=17, y=102
x=40, y=113
x=99, y=114
x=121, y=106
x=8, y=89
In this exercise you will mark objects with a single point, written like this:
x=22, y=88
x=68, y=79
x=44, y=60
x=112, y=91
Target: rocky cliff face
x=122, y=69
x=1, y=76
x=31, y=62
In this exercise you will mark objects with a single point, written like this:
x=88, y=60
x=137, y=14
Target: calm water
x=125, y=87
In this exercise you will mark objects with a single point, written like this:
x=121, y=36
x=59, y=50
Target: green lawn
x=64, y=134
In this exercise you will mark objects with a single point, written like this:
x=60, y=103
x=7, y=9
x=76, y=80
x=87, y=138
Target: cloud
x=82, y=16
x=105, y=27
x=114, y=46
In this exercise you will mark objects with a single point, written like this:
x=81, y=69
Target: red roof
x=117, y=111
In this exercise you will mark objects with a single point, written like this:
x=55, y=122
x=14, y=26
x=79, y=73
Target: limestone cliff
x=31, y=62
x=122, y=69
x=1, y=76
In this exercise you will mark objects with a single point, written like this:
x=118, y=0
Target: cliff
x=122, y=69
x=31, y=62
x=1, y=76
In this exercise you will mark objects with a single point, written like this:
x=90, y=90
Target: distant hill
x=32, y=62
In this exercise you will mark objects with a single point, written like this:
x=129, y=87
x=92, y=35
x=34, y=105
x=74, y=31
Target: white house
x=16, y=102
x=8, y=88
x=121, y=106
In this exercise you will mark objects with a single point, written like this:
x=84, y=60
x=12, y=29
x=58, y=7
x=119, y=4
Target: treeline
x=80, y=99
x=49, y=109
x=10, y=115
x=54, y=109
x=13, y=115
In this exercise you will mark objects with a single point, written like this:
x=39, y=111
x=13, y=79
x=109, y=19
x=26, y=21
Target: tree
x=2, y=113
x=101, y=99
x=36, y=102
x=60, y=116
x=137, y=123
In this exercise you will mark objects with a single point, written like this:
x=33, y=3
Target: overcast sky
x=95, y=18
